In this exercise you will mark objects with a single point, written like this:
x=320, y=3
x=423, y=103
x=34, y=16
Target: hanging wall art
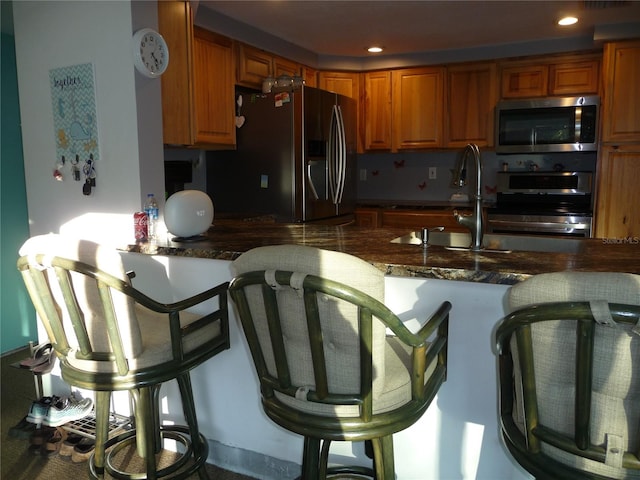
x=75, y=124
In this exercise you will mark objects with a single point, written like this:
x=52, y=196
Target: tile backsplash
x=405, y=176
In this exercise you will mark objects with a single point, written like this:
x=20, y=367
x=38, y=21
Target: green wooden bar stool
x=110, y=336
x=317, y=331
x=569, y=364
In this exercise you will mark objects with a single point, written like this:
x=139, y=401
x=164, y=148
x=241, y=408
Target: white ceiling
x=344, y=28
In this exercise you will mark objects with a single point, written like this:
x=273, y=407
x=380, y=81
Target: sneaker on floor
x=67, y=410
x=40, y=409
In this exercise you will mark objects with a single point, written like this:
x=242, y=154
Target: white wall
x=53, y=34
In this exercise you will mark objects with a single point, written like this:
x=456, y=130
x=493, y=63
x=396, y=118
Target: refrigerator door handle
x=337, y=157
x=312, y=187
x=331, y=155
x=342, y=155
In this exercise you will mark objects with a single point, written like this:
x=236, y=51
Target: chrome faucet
x=475, y=221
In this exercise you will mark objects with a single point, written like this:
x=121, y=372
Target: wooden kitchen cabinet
x=403, y=109
x=575, y=77
x=408, y=218
x=621, y=96
x=525, y=81
x=617, y=214
x=377, y=110
x=213, y=90
x=282, y=66
x=344, y=83
x=310, y=76
x=562, y=75
x=254, y=65
x=472, y=90
x=348, y=84
x=417, y=108
x=368, y=217
x=198, y=86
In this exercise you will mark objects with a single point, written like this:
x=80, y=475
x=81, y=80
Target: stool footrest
x=174, y=432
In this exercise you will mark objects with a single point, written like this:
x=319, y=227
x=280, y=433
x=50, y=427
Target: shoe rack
x=40, y=362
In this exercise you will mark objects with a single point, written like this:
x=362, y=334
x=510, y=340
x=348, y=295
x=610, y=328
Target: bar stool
x=328, y=371
x=569, y=365
x=110, y=336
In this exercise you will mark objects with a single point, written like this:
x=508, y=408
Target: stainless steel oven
x=543, y=203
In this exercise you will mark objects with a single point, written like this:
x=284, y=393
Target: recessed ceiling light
x=564, y=21
x=374, y=49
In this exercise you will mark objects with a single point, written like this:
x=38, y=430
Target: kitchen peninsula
x=458, y=437
x=227, y=239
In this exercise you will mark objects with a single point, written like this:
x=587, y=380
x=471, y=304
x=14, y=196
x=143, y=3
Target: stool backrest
x=71, y=283
x=570, y=374
x=334, y=362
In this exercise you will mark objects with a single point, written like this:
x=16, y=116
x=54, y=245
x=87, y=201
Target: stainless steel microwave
x=563, y=124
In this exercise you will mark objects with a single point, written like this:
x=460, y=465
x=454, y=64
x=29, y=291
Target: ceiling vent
x=600, y=4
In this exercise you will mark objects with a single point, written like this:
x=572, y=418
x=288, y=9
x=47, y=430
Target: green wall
x=17, y=316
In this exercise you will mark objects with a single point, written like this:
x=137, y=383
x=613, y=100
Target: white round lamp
x=188, y=214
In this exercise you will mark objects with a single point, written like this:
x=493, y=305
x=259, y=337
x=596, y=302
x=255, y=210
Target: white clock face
x=151, y=53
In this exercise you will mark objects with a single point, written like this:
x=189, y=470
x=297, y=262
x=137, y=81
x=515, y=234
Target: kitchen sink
x=496, y=242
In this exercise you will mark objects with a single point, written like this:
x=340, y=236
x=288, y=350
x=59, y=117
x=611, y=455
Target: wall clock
x=150, y=53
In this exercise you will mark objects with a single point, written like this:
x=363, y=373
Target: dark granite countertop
x=227, y=239
x=416, y=205
x=420, y=204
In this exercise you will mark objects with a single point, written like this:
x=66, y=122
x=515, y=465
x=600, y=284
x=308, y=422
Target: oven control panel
x=571, y=183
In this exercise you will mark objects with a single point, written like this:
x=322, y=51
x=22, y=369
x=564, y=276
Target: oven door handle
x=550, y=226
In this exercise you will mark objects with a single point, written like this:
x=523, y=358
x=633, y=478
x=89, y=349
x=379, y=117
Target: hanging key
x=75, y=170
x=90, y=171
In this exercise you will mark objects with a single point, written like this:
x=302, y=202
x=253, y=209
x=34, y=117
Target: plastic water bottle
x=151, y=209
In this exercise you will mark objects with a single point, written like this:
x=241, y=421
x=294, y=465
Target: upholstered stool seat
x=109, y=336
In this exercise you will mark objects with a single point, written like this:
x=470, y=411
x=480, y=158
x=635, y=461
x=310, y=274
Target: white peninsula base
x=458, y=437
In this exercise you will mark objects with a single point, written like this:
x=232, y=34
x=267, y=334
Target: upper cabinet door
x=621, y=96
x=525, y=81
x=417, y=107
x=213, y=88
x=576, y=77
x=197, y=88
x=349, y=85
x=377, y=110
x=254, y=65
x=310, y=76
x=343, y=83
x=574, y=74
x=471, y=101
x=176, y=26
x=282, y=66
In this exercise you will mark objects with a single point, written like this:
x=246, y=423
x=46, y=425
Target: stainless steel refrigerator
x=295, y=158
